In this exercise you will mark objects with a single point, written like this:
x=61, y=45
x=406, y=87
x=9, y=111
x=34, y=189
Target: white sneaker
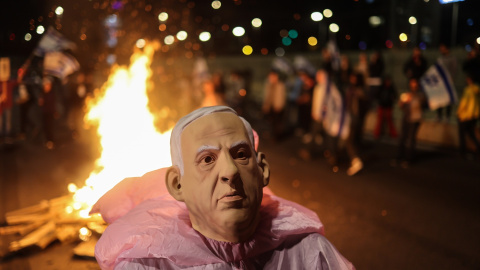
x=356, y=166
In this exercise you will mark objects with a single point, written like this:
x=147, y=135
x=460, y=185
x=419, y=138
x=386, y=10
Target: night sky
x=139, y=20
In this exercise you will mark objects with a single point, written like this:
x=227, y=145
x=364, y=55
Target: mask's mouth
x=232, y=196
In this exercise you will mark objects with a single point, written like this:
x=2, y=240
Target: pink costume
x=157, y=234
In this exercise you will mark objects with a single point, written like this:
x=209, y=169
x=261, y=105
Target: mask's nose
x=228, y=168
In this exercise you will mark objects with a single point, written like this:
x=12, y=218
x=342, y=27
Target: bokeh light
x=140, y=43
x=412, y=20
x=163, y=16
x=389, y=44
x=478, y=40
x=264, y=51
x=40, y=29
x=362, y=45
x=256, y=22
x=28, y=37
x=334, y=27
x=316, y=16
x=374, y=21
x=286, y=41
x=216, y=4
x=327, y=13
x=182, y=35
x=279, y=51
x=284, y=33
x=293, y=34
x=470, y=22
x=59, y=10
x=403, y=37
x=169, y=40
x=238, y=31
x=247, y=50
x=422, y=46
x=312, y=41
x=204, y=36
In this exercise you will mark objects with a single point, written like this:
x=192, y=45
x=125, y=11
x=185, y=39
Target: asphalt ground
x=386, y=217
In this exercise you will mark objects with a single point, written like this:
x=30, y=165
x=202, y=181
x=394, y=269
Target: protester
x=332, y=120
x=48, y=105
x=386, y=99
x=376, y=67
x=472, y=65
x=304, y=105
x=77, y=92
x=275, y=95
x=30, y=115
x=468, y=114
x=7, y=89
x=236, y=91
x=412, y=105
x=210, y=96
x=415, y=66
x=219, y=216
x=344, y=73
x=449, y=62
x=219, y=84
x=362, y=66
x=355, y=96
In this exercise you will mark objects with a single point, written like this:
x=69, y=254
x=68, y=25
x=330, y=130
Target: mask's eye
x=208, y=159
x=241, y=154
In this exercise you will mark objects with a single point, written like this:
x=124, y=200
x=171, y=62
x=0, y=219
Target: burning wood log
x=49, y=220
x=21, y=229
x=86, y=248
x=40, y=237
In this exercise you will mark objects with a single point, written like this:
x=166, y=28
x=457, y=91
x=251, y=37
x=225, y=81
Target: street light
x=327, y=13
x=59, y=10
x=204, y=36
x=256, y=22
x=413, y=22
x=316, y=16
x=238, y=31
x=334, y=28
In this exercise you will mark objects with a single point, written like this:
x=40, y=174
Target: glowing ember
x=131, y=146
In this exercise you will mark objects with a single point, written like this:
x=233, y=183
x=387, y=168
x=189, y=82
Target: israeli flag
x=438, y=87
x=329, y=108
x=59, y=64
x=53, y=41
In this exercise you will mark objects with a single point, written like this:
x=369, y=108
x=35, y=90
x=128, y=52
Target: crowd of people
x=325, y=105
x=331, y=104
x=35, y=105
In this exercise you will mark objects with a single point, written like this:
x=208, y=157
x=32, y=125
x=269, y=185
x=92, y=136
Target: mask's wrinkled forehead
x=175, y=139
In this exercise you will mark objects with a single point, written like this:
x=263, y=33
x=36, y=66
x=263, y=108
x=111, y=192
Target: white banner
x=438, y=86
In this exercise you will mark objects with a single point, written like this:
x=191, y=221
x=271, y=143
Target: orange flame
x=131, y=146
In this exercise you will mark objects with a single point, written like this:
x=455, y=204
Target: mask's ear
x=263, y=164
x=172, y=180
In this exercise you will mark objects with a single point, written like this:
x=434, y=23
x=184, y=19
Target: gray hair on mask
x=175, y=139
